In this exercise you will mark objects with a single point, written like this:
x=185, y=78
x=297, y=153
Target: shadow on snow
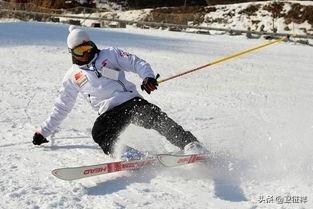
x=122, y=182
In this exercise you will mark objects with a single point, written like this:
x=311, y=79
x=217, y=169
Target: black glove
x=150, y=84
x=39, y=139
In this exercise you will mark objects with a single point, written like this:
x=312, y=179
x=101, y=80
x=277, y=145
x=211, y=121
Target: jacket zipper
x=122, y=84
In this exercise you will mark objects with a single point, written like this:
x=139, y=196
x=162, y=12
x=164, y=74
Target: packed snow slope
x=253, y=113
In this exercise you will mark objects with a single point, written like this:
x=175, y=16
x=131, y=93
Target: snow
x=9, y=20
x=134, y=15
x=253, y=113
x=241, y=21
x=111, y=6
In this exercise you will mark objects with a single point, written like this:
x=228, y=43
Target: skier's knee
x=95, y=135
x=107, y=147
x=106, y=143
x=102, y=138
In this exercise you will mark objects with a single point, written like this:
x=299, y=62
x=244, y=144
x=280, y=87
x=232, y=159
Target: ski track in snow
x=254, y=113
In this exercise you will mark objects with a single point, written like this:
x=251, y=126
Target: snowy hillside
x=280, y=16
x=294, y=17
x=254, y=113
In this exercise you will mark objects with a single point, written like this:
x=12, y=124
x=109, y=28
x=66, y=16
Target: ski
x=167, y=160
x=173, y=160
x=74, y=173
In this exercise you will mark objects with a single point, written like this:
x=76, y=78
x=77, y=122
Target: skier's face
x=84, y=53
x=83, y=49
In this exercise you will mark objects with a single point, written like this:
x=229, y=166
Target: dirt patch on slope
x=299, y=14
x=250, y=10
x=179, y=15
x=275, y=8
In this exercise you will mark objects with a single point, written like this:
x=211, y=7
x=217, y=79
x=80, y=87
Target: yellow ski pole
x=223, y=59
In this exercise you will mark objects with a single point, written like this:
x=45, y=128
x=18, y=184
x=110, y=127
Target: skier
x=99, y=75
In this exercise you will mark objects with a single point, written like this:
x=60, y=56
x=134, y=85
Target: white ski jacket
x=102, y=84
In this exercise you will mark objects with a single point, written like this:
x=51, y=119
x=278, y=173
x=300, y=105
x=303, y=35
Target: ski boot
x=130, y=153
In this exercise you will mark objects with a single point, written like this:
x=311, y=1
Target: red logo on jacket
x=80, y=79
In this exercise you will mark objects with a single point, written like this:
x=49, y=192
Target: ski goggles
x=80, y=50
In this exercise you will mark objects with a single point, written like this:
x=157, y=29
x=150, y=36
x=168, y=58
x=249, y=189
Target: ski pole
x=223, y=59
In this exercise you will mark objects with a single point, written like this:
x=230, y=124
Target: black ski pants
x=138, y=111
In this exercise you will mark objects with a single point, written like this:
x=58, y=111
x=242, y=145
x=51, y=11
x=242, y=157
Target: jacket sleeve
x=129, y=62
x=63, y=105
